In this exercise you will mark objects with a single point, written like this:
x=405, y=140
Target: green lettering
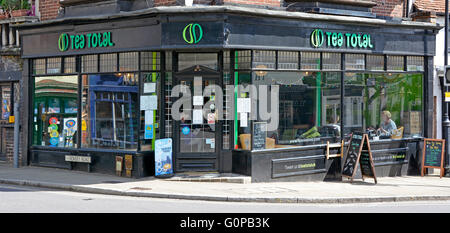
x=94, y=41
x=354, y=40
x=328, y=38
x=340, y=41
x=71, y=41
x=369, y=42
x=89, y=40
x=347, y=35
x=334, y=39
x=82, y=42
x=110, y=43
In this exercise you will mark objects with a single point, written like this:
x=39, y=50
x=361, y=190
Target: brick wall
x=392, y=8
x=48, y=9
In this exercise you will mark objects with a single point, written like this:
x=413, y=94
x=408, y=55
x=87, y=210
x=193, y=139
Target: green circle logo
x=192, y=33
x=317, y=38
x=63, y=42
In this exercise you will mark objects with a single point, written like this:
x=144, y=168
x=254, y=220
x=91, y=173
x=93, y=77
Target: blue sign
x=186, y=130
x=163, y=157
x=148, y=132
x=54, y=141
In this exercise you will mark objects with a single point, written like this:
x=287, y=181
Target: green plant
x=10, y=5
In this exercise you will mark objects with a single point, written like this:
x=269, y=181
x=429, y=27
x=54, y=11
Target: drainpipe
x=16, y=135
x=445, y=119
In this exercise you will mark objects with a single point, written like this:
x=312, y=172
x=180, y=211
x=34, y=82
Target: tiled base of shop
x=211, y=177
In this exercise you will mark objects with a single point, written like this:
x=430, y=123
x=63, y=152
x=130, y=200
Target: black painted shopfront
x=95, y=85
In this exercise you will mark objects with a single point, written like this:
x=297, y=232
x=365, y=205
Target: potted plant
x=15, y=8
x=22, y=7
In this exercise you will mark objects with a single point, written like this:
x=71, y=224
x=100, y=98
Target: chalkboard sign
x=354, y=149
x=259, y=135
x=433, y=154
x=359, y=153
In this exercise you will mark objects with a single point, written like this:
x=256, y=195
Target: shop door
x=197, y=138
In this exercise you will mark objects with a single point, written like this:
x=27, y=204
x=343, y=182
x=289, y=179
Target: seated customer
x=388, y=125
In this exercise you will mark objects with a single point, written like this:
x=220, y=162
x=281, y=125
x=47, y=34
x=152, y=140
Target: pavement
x=388, y=189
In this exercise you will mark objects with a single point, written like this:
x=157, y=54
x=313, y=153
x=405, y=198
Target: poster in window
x=148, y=134
x=53, y=106
x=163, y=157
x=6, y=103
x=149, y=102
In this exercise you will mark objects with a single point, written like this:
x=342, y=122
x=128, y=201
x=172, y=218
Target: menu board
x=359, y=153
x=352, y=154
x=259, y=135
x=433, y=154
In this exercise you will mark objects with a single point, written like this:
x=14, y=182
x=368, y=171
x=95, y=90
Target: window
x=151, y=61
x=263, y=59
x=128, y=61
x=39, y=66
x=308, y=109
x=110, y=111
x=309, y=61
x=384, y=105
x=395, y=63
x=354, y=62
x=287, y=60
x=69, y=65
x=6, y=101
x=89, y=64
x=150, y=122
x=375, y=62
x=243, y=60
x=54, y=65
x=188, y=60
x=415, y=63
x=55, y=111
x=331, y=61
x=108, y=62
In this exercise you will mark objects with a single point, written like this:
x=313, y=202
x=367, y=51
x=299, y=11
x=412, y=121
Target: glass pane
x=287, y=60
x=395, y=63
x=6, y=102
x=187, y=60
x=54, y=65
x=108, y=62
x=243, y=59
x=383, y=105
x=39, y=66
x=264, y=59
x=168, y=61
x=69, y=65
x=55, y=111
x=331, y=61
x=128, y=61
x=168, y=105
x=310, y=61
x=354, y=62
x=415, y=63
x=151, y=61
x=110, y=114
x=89, y=64
x=375, y=62
x=150, y=122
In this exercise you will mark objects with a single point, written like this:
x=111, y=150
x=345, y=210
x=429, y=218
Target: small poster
x=149, y=87
x=243, y=119
x=163, y=157
x=149, y=117
x=197, y=118
x=211, y=118
x=149, y=102
x=53, y=120
x=148, y=134
x=198, y=100
x=243, y=105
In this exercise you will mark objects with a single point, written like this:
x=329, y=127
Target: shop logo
x=63, y=42
x=192, y=33
x=317, y=38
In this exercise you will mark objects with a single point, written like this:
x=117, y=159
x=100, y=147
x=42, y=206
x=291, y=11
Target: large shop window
x=384, y=105
x=308, y=110
x=55, y=111
x=109, y=111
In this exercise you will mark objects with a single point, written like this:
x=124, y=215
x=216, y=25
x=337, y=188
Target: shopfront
x=257, y=93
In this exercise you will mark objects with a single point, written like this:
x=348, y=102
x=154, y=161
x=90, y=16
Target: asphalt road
x=21, y=199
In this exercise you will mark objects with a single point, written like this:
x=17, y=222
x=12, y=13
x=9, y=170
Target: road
x=22, y=199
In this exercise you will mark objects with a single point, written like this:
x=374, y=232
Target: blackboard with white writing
x=259, y=135
x=352, y=154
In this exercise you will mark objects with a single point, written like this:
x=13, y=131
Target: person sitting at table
x=387, y=125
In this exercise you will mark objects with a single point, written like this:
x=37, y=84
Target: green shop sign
x=339, y=39
x=82, y=41
x=192, y=33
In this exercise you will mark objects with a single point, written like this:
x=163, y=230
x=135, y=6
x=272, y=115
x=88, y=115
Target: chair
x=397, y=133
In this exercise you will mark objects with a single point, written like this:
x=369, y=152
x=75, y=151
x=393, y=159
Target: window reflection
x=109, y=117
x=55, y=111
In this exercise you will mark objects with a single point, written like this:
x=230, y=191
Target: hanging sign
x=359, y=152
x=163, y=157
x=433, y=154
